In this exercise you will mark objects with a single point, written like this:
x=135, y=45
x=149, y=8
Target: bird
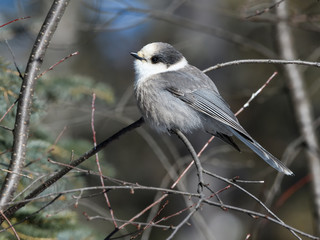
x=173, y=94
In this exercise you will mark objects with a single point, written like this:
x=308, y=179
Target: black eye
x=155, y=59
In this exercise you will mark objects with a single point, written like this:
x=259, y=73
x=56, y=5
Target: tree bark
x=301, y=103
x=21, y=126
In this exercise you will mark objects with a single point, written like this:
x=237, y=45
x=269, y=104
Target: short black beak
x=135, y=55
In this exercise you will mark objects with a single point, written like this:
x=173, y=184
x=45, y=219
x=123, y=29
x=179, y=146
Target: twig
x=136, y=216
x=10, y=225
x=59, y=136
x=74, y=163
x=129, y=187
x=255, y=94
x=29, y=186
x=256, y=214
x=57, y=140
x=86, y=171
x=262, y=61
x=34, y=213
x=301, y=104
x=144, y=210
x=186, y=219
x=260, y=12
x=133, y=222
x=21, y=129
x=14, y=60
x=251, y=195
x=11, y=172
x=200, y=179
x=153, y=212
x=294, y=188
x=216, y=194
x=140, y=187
x=246, y=181
x=6, y=128
x=194, y=156
x=156, y=215
x=97, y=159
x=9, y=109
x=17, y=19
x=152, y=221
x=174, y=214
x=57, y=63
x=210, y=30
x=291, y=151
x=77, y=198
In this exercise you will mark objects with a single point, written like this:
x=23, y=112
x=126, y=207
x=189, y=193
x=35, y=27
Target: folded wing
x=213, y=105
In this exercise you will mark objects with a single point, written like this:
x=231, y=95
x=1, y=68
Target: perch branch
x=68, y=168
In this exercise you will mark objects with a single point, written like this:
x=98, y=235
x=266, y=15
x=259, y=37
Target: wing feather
x=211, y=104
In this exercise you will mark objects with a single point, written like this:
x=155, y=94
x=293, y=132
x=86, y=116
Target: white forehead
x=150, y=49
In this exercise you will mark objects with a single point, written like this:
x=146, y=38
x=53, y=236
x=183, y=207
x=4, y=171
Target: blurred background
x=207, y=33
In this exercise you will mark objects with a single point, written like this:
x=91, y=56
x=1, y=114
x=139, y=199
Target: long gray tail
x=264, y=154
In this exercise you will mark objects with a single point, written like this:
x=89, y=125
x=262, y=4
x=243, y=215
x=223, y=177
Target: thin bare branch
x=72, y=164
x=57, y=63
x=301, y=104
x=9, y=109
x=255, y=94
x=10, y=225
x=195, y=158
x=256, y=214
x=291, y=151
x=93, y=108
x=17, y=19
x=260, y=12
x=21, y=127
x=262, y=61
x=185, y=220
x=211, y=30
x=251, y=195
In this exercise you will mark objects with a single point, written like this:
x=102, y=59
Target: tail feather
x=264, y=154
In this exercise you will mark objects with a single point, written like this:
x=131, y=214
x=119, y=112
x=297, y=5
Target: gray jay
x=172, y=94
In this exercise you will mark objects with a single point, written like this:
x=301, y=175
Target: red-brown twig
x=17, y=19
x=144, y=210
x=294, y=188
x=57, y=139
x=10, y=225
x=152, y=221
x=9, y=109
x=175, y=214
x=254, y=95
x=60, y=135
x=57, y=63
x=97, y=159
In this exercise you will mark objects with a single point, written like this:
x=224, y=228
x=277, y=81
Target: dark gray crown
x=166, y=54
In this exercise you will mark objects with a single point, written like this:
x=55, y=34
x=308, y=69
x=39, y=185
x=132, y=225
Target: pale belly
x=163, y=111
